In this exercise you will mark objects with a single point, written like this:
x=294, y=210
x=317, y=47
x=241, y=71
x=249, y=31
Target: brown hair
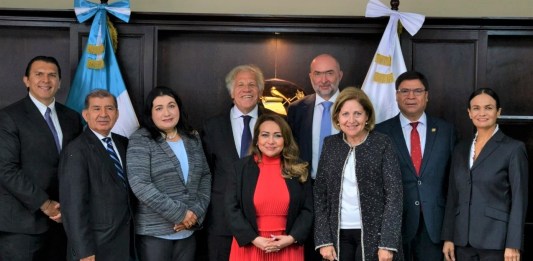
x=353, y=93
x=292, y=166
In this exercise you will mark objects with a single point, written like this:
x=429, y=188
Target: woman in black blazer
x=268, y=201
x=487, y=196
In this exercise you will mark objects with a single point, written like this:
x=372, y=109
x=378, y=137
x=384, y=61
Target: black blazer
x=487, y=203
x=427, y=192
x=220, y=152
x=95, y=204
x=28, y=164
x=240, y=208
x=300, y=118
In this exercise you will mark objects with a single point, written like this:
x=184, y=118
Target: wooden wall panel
x=18, y=45
x=510, y=71
x=449, y=60
x=195, y=64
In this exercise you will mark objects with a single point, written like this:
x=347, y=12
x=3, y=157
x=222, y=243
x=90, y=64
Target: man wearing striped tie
x=93, y=187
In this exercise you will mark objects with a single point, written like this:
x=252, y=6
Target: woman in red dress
x=269, y=203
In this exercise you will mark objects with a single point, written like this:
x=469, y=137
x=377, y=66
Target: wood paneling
x=196, y=64
x=193, y=54
x=18, y=45
x=449, y=61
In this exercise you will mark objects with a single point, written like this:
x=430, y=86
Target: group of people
x=324, y=183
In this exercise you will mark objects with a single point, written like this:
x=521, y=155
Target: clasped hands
x=51, y=208
x=273, y=243
x=189, y=221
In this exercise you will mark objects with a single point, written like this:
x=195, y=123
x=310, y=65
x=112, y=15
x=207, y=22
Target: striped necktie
x=114, y=158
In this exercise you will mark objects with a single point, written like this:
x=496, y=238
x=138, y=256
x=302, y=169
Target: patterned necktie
x=52, y=127
x=114, y=158
x=416, y=151
x=246, y=137
x=325, y=124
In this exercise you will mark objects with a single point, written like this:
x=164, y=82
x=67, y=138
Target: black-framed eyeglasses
x=416, y=92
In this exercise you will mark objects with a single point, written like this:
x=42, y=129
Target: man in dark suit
x=424, y=176
x=32, y=132
x=93, y=186
x=305, y=118
x=223, y=144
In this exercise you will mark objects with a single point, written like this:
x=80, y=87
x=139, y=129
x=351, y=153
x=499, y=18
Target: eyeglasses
x=416, y=92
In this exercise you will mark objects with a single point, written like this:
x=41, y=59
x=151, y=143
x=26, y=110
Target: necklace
x=171, y=137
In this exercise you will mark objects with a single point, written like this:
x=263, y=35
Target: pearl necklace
x=170, y=137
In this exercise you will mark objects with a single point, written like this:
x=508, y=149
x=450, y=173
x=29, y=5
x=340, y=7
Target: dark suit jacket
x=426, y=192
x=240, y=210
x=95, y=204
x=28, y=164
x=300, y=118
x=219, y=148
x=220, y=151
x=487, y=203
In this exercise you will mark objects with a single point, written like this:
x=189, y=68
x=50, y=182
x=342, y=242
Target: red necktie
x=416, y=151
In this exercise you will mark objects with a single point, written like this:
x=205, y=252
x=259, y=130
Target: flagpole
x=393, y=3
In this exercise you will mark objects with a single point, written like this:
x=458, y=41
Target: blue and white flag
x=98, y=67
x=388, y=63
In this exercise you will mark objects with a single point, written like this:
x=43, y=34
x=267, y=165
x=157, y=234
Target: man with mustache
x=310, y=119
x=93, y=186
x=424, y=145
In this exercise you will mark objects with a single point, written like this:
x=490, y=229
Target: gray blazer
x=487, y=203
x=155, y=177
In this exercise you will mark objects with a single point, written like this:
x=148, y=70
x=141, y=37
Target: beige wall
x=430, y=8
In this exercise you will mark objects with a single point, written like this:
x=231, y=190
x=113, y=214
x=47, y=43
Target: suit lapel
x=227, y=133
x=307, y=140
x=431, y=135
x=98, y=148
x=397, y=134
x=34, y=115
x=490, y=147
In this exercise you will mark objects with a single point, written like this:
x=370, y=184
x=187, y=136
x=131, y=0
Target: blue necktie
x=325, y=124
x=50, y=123
x=114, y=158
x=246, y=137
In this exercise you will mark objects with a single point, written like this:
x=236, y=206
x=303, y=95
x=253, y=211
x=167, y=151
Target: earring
x=366, y=123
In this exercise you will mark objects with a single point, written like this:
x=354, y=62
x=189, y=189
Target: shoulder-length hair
x=353, y=93
x=183, y=127
x=292, y=166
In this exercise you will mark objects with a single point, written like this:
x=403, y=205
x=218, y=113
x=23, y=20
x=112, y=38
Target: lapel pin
x=433, y=129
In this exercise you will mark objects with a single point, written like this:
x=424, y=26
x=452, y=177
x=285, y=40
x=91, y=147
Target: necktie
x=50, y=123
x=114, y=158
x=325, y=124
x=416, y=151
x=246, y=137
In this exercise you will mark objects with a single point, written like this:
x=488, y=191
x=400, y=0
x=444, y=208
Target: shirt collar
x=320, y=100
x=41, y=106
x=404, y=122
x=100, y=136
x=236, y=113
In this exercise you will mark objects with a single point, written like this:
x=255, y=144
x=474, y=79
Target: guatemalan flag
x=98, y=67
x=388, y=63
